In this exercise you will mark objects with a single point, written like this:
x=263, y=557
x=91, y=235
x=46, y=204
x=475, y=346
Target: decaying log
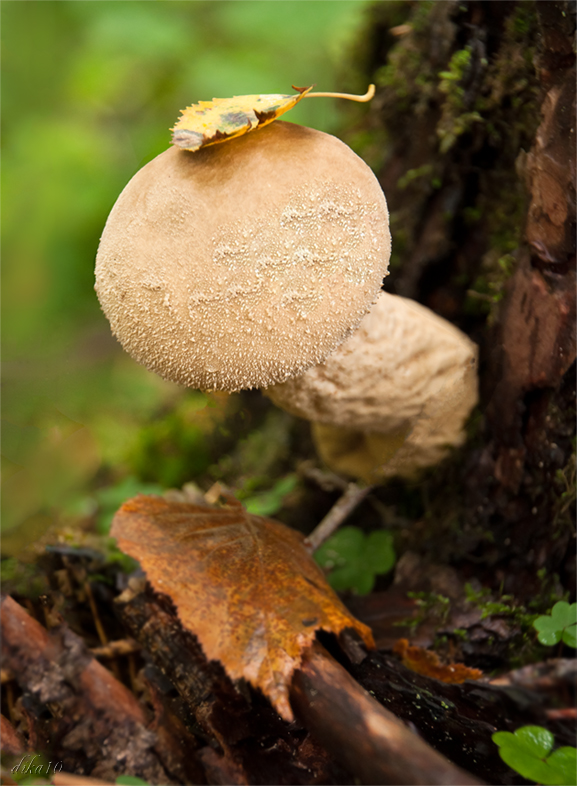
x=531, y=366
x=357, y=732
x=10, y=741
x=243, y=739
x=98, y=725
x=459, y=720
x=356, y=729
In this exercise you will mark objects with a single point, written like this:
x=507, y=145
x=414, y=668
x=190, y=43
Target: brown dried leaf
x=426, y=662
x=244, y=585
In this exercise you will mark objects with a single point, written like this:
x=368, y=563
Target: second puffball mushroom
x=393, y=398
x=245, y=263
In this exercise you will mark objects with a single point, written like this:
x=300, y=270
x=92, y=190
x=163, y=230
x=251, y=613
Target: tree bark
x=476, y=102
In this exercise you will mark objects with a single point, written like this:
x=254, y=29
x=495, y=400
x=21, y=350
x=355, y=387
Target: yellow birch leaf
x=211, y=122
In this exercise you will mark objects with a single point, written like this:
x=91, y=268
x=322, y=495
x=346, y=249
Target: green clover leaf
x=353, y=559
x=564, y=760
x=528, y=752
x=560, y=624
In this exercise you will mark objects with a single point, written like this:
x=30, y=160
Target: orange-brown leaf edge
x=428, y=663
x=244, y=585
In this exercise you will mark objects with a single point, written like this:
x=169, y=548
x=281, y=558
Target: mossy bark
x=472, y=134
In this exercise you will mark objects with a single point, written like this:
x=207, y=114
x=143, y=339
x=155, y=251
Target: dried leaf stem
x=349, y=96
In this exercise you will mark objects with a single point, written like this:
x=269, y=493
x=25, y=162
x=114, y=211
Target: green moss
x=565, y=489
x=420, y=18
x=269, y=502
x=431, y=606
x=411, y=175
x=511, y=89
x=406, y=79
x=404, y=76
x=400, y=243
x=504, y=606
x=455, y=119
x=173, y=448
x=23, y=578
x=370, y=144
x=258, y=456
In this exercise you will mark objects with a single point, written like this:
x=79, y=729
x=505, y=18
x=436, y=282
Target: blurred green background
x=89, y=92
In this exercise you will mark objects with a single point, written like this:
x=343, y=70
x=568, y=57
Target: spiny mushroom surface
x=245, y=263
x=392, y=397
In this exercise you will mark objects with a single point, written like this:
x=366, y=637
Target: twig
x=345, y=505
x=215, y=492
x=114, y=648
x=71, y=779
x=325, y=479
x=110, y=650
x=99, y=627
x=95, y=616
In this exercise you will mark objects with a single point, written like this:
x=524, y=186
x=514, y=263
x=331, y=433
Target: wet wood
x=97, y=724
x=458, y=720
x=10, y=741
x=374, y=744
x=356, y=731
x=240, y=737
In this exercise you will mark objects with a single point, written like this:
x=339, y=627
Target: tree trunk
x=476, y=106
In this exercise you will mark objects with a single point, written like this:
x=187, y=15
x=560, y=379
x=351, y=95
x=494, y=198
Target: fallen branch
x=366, y=738
x=95, y=722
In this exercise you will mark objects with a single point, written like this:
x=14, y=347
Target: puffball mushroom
x=245, y=263
x=393, y=397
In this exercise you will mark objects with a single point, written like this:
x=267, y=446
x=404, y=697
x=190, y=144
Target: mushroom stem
x=353, y=496
x=349, y=96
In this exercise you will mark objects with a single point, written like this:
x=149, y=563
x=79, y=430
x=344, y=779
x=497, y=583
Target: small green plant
x=431, y=605
x=130, y=780
x=504, y=606
x=269, y=502
x=559, y=625
x=528, y=752
x=353, y=559
x=110, y=498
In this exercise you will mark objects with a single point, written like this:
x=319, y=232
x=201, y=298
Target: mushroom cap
x=245, y=263
x=393, y=397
